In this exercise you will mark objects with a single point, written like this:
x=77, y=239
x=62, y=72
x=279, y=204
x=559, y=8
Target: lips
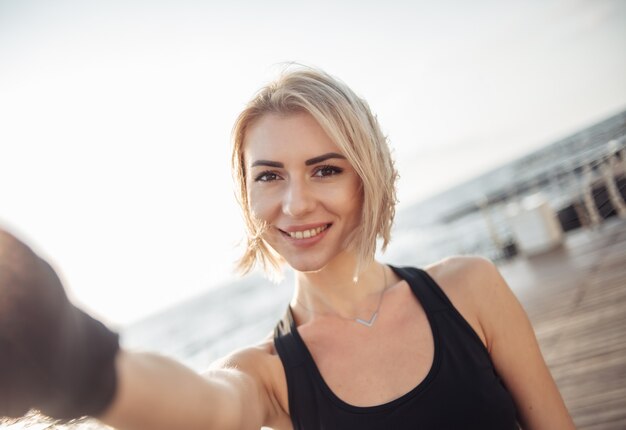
x=304, y=232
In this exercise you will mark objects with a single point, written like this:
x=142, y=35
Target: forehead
x=286, y=137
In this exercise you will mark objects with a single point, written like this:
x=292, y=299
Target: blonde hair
x=350, y=124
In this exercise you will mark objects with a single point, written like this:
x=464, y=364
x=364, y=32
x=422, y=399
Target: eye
x=267, y=176
x=327, y=170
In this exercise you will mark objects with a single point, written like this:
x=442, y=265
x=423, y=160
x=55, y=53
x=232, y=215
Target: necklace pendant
x=367, y=323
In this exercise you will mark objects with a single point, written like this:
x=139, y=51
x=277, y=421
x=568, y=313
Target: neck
x=333, y=290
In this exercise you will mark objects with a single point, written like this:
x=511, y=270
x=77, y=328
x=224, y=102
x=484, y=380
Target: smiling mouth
x=306, y=234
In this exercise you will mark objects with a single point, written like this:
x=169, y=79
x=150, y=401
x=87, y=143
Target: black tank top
x=460, y=391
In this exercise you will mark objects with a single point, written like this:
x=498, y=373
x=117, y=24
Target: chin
x=313, y=263
x=306, y=266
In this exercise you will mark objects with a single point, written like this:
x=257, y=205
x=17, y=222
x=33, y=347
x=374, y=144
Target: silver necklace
x=367, y=323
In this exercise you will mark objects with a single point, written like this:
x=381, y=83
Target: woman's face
x=302, y=186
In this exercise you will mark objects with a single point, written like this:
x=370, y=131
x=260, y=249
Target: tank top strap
x=429, y=293
x=287, y=346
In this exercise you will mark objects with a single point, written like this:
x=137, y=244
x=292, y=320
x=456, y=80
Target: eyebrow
x=268, y=163
x=323, y=158
x=309, y=162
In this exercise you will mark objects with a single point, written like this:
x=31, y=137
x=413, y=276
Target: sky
x=115, y=116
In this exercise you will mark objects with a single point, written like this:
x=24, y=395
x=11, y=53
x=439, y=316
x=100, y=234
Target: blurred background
x=504, y=117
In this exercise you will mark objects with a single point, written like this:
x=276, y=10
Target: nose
x=298, y=199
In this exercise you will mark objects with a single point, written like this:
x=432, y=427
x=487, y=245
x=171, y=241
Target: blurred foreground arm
x=53, y=356
x=57, y=359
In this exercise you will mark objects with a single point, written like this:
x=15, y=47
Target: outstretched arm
x=158, y=393
x=57, y=359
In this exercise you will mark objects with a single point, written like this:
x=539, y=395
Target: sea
x=461, y=220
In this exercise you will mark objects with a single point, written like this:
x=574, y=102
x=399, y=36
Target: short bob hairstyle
x=350, y=124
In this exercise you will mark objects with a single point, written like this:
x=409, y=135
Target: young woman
x=363, y=344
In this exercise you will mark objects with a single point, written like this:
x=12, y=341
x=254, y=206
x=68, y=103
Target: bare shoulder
x=249, y=358
x=464, y=269
x=473, y=284
x=261, y=363
x=467, y=277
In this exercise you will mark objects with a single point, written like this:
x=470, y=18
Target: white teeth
x=305, y=234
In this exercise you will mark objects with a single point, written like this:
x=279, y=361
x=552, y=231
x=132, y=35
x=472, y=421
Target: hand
x=53, y=356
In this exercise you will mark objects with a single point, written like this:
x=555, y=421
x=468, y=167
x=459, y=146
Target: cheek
x=354, y=206
x=348, y=199
x=261, y=205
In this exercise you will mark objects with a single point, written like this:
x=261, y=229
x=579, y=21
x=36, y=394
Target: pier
x=575, y=297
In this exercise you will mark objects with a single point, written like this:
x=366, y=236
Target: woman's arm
x=158, y=393
x=514, y=350
x=59, y=360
